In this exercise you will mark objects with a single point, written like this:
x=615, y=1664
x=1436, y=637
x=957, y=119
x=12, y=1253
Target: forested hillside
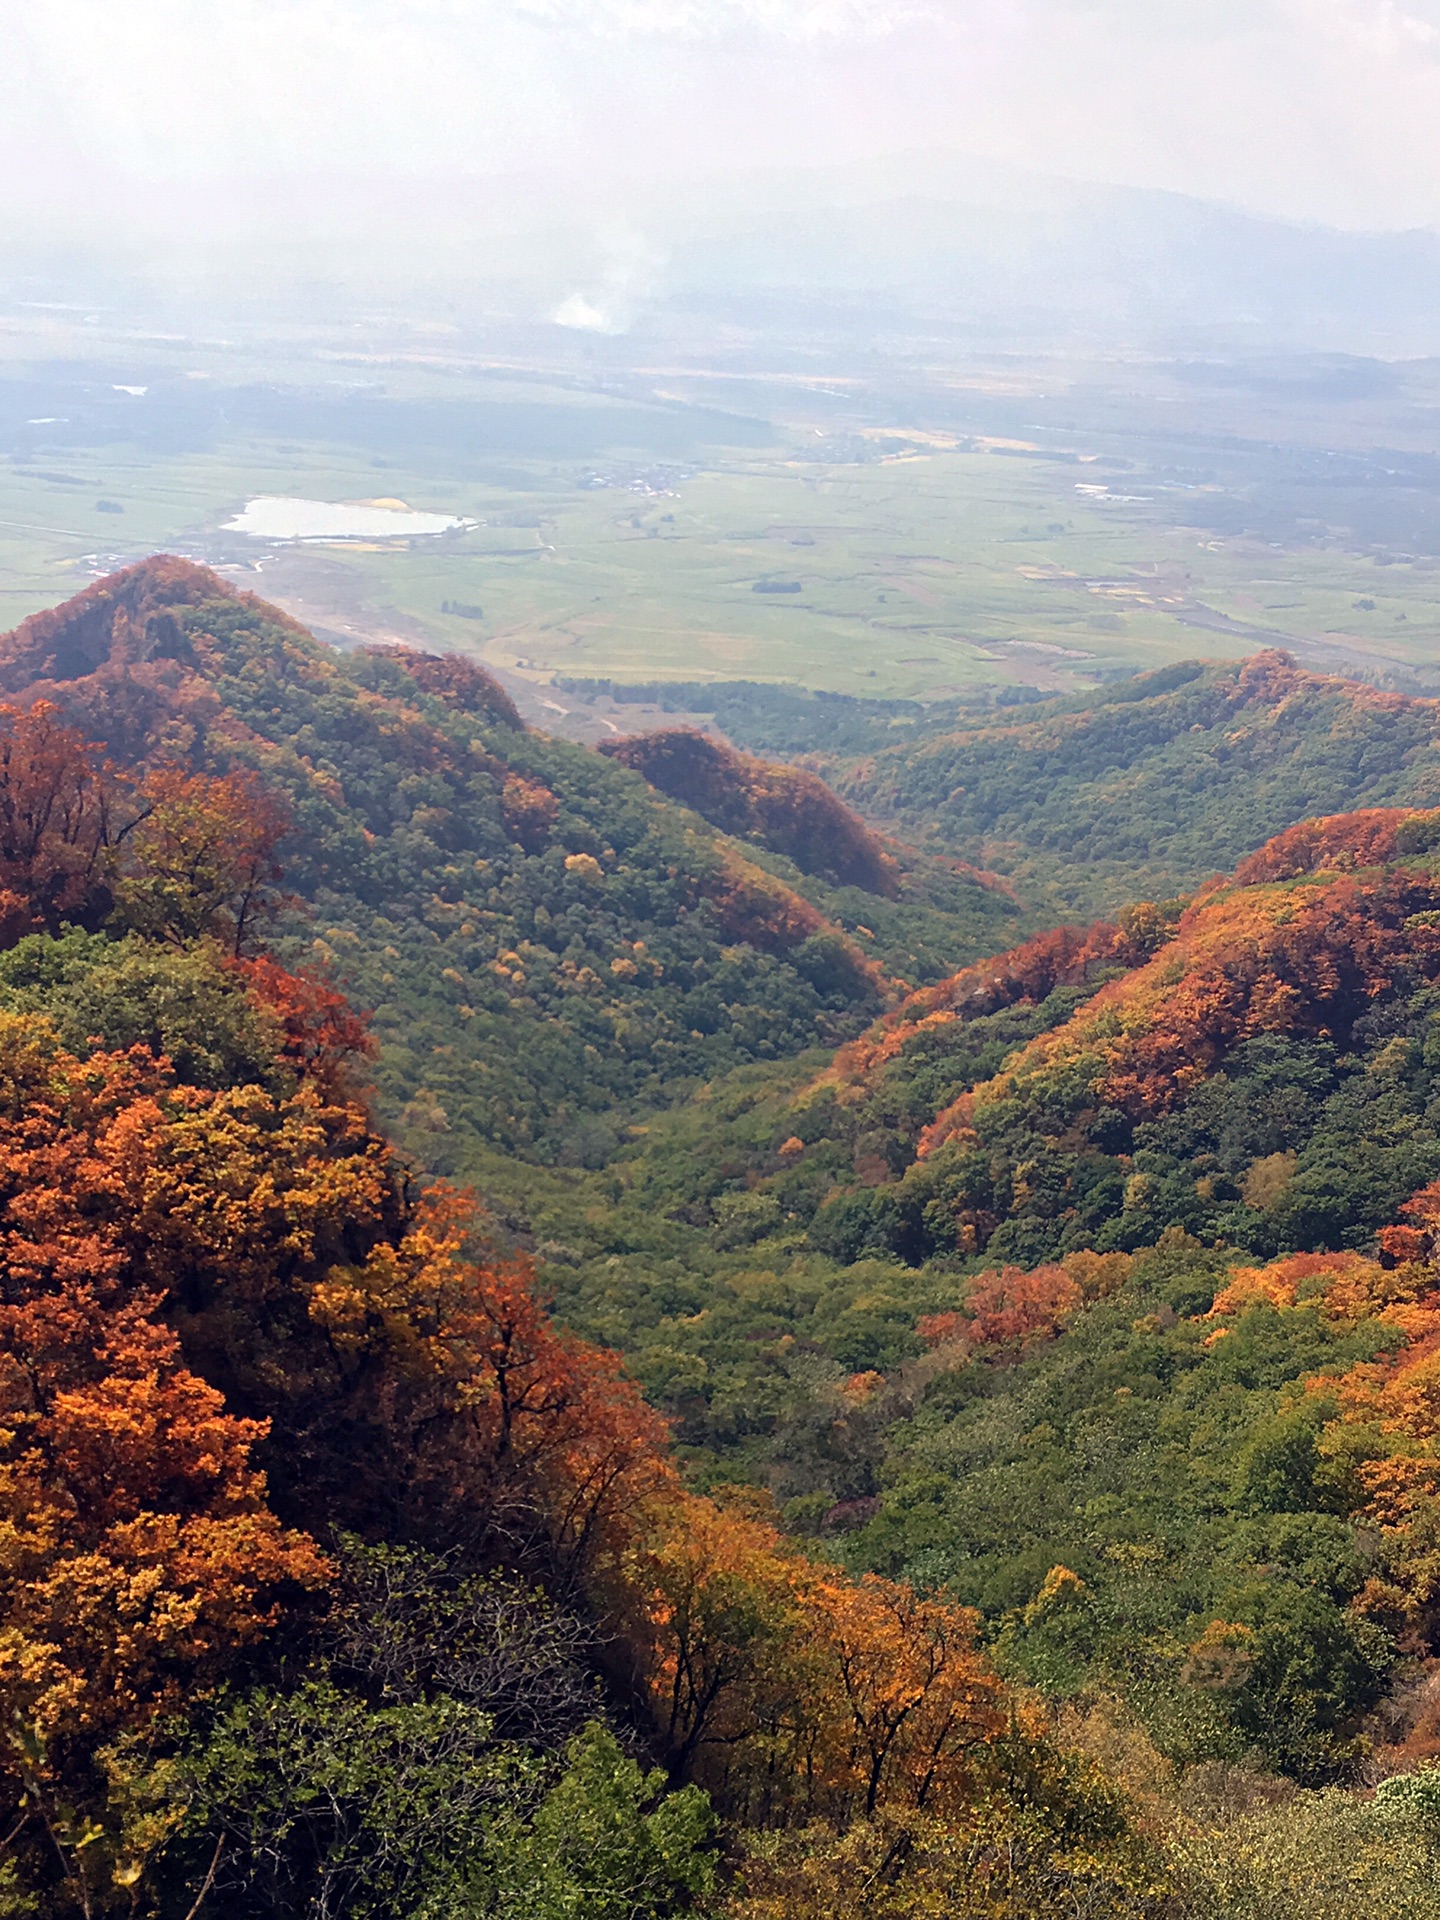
x=549, y=950
x=1262, y=1080
x=875, y=1450
x=1158, y=782
x=1146, y=787
x=785, y=808
x=1255, y=1068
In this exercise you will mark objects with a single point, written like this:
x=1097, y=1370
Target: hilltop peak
x=126, y=617
x=141, y=650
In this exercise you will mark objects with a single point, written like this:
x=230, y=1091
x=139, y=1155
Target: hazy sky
x=128, y=113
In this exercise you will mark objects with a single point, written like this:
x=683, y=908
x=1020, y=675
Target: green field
x=924, y=568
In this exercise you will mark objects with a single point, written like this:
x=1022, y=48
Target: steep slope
x=550, y=949
x=1258, y=1069
x=784, y=808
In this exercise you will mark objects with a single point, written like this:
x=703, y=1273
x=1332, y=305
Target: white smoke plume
x=628, y=274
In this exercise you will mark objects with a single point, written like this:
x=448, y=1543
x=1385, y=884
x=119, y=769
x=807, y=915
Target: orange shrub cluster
x=1031, y=972
x=1009, y=1307
x=1344, y=841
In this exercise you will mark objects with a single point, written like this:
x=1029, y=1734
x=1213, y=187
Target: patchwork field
x=643, y=535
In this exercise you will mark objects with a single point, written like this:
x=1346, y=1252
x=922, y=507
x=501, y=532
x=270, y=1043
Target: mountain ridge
x=1151, y=784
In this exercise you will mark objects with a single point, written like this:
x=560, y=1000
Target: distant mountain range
x=952, y=240
x=999, y=249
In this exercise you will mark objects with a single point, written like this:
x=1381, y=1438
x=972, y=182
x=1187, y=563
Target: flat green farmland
x=933, y=570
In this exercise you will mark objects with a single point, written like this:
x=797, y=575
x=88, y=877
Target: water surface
x=279, y=517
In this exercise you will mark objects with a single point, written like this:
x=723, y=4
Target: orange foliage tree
x=1389, y=1421
x=322, y=1035
x=413, y=1379
x=528, y=1442
x=1060, y=957
x=201, y=856
x=529, y=810
x=1009, y=1307
x=141, y=1554
x=185, y=854
x=791, y=1689
x=55, y=825
x=140, y=1550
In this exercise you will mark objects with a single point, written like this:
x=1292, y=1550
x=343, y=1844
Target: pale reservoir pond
x=278, y=517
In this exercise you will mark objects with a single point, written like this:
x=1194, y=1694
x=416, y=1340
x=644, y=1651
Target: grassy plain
x=928, y=563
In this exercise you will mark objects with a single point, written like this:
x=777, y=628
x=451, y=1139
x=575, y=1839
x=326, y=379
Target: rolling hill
x=1152, y=785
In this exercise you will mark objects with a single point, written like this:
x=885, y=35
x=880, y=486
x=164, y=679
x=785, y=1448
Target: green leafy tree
x=606, y=1843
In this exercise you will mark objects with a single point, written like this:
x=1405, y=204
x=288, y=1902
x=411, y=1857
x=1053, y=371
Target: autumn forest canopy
x=654, y=1332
